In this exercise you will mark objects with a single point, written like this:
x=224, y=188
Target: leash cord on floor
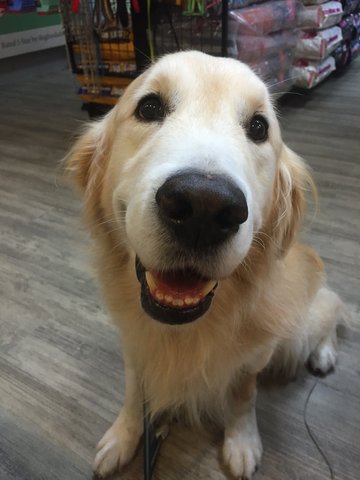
x=312, y=435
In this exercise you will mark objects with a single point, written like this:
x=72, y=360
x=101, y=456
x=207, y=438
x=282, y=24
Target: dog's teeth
x=150, y=280
x=168, y=298
x=159, y=296
x=176, y=300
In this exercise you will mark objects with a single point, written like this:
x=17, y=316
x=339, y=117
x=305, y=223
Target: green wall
x=19, y=22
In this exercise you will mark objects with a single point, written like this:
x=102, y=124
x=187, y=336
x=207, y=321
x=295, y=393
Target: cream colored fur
x=271, y=309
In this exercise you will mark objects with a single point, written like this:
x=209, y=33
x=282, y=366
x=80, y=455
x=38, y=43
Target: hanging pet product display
x=112, y=41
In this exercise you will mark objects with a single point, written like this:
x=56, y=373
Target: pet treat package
x=263, y=18
x=263, y=36
x=308, y=74
x=249, y=48
x=320, y=16
x=316, y=45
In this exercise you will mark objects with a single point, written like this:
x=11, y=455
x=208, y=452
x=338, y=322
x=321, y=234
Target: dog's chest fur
x=190, y=366
x=195, y=365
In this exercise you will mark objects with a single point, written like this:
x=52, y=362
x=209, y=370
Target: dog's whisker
x=259, y=242
x=263, y=234
x=110, y=220
x=112, y=223
x=290, y=92
x=271, y=239
x=106, y=222
x=109, y=227
x=289, y=79
x=110, y=232
x=246, y=266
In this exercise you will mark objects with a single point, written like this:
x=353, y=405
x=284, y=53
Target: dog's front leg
x=118, y=445
x=242, y=447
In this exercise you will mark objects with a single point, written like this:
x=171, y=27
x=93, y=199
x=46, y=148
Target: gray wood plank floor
x=61, y=373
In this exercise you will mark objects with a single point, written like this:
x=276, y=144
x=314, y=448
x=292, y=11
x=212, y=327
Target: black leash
x=153, y=439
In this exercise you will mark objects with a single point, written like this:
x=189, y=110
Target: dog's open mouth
x=174, y=297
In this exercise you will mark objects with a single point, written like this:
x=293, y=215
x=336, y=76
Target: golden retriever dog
x=194, y=201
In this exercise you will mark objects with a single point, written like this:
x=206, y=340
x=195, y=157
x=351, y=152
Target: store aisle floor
x=61, y=374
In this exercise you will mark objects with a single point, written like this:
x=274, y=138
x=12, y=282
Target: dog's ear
x=85, y=161
x=292, y=182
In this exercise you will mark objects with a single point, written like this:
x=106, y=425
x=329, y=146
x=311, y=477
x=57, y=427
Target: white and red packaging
x=307, y=74
x=317, y=44
x=320, y=16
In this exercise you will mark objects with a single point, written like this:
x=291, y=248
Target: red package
x=265, y=18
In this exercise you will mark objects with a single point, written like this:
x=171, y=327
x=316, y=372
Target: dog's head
x=190, y=175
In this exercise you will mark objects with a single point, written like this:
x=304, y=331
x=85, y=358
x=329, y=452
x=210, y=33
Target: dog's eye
x=258, y=129
x=150, y=108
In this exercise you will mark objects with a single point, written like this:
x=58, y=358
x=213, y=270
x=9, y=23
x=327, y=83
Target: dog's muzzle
x=200, y=212
x=175, y=297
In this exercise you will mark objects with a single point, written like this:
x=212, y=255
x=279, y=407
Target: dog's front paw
x=323, y=359
x=117, y=447
x=242, y=454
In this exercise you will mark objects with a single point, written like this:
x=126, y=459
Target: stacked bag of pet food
x=349, y=47
x=318, y=37
x=262, y=34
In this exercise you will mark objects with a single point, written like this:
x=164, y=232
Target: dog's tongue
x=178, y=289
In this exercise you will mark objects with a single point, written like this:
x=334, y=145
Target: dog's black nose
x=201, y=209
